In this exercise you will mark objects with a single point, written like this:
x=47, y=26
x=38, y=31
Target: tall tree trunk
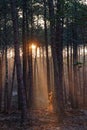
x=57, y=89
x=84, y=78
x=6, y=61
x=30, y=67
x=18, y=62
x=46, y=46
x=59, y=51
x=0, y=82
x=6, y=83
x=69, y=66
x=75, y=53
x=30, y=92
x=24, y=40
x=10, y=95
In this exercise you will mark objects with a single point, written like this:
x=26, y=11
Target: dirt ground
x=41, y=119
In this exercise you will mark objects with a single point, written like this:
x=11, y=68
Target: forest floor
x=43, y=120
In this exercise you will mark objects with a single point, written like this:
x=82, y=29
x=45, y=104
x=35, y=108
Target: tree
x=24, y=40
x=18, y=61
x=58, y=92
x=75, y=56
x=6, y=61
x=59, y=49
x=0, y=82
x=46, y=46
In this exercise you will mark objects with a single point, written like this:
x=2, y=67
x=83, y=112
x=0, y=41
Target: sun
x=33, y=46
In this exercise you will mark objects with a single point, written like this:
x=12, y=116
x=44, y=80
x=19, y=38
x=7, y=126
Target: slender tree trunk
x=75, y=54
x=30, y=75
x=10, y=95
x=0, y=82
x=24, y=40
x=6, y=62
x=30, y=67
x=59, y=51
x=46, y=46
x=84, y=78
x=69, y=66
x=6, y=84
x=18, y=62
x=58, y=104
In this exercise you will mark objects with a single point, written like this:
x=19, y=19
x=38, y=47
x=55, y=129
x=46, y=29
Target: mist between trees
x=43, y=55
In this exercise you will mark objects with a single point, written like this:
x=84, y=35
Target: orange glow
x=50, y=101
x=33, y=46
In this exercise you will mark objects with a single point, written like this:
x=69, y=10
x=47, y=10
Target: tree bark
x=18, y=62
x=46, y=46
x=0, y=82
x=58, y=92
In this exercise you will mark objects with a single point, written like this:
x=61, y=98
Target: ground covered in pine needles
x=43, y=120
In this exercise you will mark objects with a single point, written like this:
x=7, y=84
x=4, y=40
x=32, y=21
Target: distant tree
x=24, y=40
x=46, y=45
x=6, y=60
x=0, y=83
x=75, y=53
